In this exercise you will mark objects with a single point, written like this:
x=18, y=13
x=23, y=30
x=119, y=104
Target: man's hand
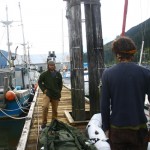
x=45, y=91
x=107, y=133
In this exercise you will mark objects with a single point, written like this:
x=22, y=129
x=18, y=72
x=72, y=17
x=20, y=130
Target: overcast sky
x=42, y=21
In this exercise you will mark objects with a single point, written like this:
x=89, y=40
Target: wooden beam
x=72, y=121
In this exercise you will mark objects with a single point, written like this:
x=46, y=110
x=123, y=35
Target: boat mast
x=124, y=17
x=24, y=44
x=7, y=23
x=26, y=62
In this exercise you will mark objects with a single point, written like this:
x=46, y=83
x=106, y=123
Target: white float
x=97, y=135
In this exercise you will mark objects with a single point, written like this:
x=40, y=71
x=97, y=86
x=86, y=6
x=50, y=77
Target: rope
x=19, y=105
x=12, y=109
x=20, y=108
x=17, y=118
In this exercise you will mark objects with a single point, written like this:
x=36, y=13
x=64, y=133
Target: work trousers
x=45, y=107
x=127, y=139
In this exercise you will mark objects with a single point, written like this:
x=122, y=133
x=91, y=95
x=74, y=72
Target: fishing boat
x=14, y=99
x=17, y=88
x=17, y=83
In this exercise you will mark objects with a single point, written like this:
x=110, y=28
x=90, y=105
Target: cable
x=19, y=105
x=10, y=109
x=17, y=118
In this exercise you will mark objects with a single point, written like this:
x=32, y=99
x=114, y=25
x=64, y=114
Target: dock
x=31, y=130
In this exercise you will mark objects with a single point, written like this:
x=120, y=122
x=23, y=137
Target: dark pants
x=126, y=139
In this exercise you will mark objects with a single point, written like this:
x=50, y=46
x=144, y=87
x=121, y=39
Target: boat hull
x=16, y=107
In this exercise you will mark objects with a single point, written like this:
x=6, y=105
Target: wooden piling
x=94, y=52
x=76, y=56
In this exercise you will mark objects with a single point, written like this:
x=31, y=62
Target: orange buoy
x=10, y=95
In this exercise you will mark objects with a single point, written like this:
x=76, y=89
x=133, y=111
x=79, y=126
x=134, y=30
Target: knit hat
x=50, y=62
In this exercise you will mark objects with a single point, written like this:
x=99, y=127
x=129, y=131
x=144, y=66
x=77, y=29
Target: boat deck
x=34, y=131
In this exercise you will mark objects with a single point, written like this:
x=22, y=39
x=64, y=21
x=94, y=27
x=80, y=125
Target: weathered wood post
x=94, y=52
x=76, y=59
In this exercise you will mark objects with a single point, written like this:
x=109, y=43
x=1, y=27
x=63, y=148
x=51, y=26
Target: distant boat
x=67, y=74
x=86, y=76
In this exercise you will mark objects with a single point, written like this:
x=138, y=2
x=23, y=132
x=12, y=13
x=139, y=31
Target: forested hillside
x=138, y=33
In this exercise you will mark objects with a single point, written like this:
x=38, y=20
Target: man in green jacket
x=50, y=82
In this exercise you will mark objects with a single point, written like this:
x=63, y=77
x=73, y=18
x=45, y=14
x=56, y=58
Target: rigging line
x=19, y=105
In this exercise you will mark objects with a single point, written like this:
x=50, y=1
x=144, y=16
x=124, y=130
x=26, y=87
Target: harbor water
x=10, y=132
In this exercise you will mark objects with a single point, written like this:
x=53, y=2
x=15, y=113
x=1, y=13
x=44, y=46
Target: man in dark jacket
x=124, y=87
x=50, y=82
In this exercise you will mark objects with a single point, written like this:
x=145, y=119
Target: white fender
x=96, y=120
x=102, y=145
x=148, y=146
x=96, y=134
x=94, y=130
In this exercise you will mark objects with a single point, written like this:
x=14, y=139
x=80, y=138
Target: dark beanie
x=50, y=62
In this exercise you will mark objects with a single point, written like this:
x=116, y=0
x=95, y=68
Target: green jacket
x=52, y=82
